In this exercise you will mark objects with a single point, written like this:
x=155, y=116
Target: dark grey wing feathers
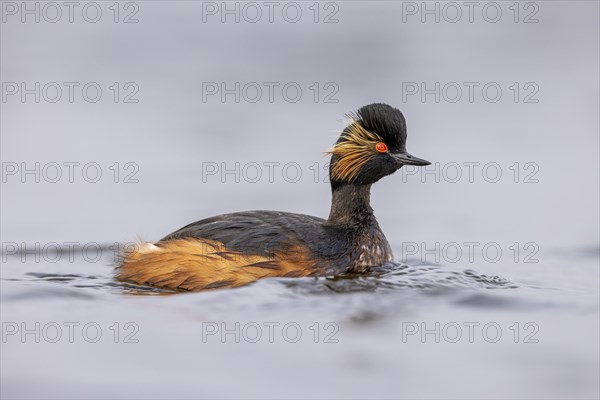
x=254, y=232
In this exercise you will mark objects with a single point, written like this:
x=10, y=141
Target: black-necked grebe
x=231, y=250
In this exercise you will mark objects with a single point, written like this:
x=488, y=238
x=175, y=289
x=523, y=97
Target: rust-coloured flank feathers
x=199, y=264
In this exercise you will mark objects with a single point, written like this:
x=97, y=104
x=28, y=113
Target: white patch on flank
x=147, y=247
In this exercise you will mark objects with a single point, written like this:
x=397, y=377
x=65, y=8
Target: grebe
x=232, y=250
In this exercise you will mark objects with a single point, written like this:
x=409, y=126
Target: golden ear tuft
x=357, y=148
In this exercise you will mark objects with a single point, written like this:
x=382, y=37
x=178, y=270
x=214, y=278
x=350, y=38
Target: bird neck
x=351, y=206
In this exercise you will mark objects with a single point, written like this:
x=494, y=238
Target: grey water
x=494, y=292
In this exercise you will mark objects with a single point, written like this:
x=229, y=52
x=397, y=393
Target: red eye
x=381, y=147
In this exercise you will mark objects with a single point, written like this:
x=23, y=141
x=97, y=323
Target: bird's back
x=256, y=232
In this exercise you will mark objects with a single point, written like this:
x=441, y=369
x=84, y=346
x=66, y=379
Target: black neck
x=351, y=206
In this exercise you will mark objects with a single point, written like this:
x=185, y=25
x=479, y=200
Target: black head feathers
x=385, y=121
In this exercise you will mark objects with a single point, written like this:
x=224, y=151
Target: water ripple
x=392, y=276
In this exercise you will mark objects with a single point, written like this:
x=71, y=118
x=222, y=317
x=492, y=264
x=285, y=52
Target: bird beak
x=407, y=159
